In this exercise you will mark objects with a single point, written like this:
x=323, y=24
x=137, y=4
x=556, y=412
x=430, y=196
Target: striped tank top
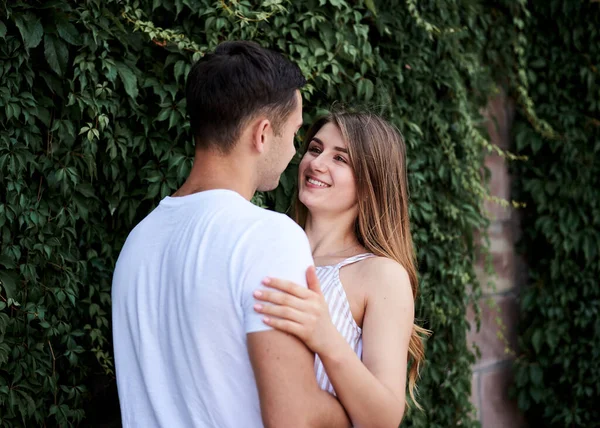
x=339, y=310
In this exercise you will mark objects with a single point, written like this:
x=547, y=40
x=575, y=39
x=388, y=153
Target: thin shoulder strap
x=354, y=259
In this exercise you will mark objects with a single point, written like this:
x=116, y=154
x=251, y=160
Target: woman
x=353, y=204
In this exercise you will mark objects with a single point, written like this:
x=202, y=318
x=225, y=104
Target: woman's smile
x=312, y=182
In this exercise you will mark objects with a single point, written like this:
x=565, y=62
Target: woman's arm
x=372, y=390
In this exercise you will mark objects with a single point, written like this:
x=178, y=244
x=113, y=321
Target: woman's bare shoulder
x=383, y=277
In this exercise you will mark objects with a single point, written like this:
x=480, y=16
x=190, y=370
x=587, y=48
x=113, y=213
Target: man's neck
x=212, y=171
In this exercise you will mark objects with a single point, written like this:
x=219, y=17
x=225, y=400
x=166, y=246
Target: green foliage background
x=93, y=134
x=557, y=376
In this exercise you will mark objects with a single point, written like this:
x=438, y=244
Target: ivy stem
x=53, y=371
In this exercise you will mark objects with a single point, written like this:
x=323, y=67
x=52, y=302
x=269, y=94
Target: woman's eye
x=314, y=149
x=341, y=159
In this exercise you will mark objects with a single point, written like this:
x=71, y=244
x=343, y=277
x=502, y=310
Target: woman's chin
x=302, y=198
x=308, y=200
x=317, y=207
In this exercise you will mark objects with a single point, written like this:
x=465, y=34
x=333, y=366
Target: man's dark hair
x=234, y=84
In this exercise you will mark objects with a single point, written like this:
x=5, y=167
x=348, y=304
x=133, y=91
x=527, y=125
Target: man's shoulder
x=274, y=221
x=276, y=228
x=235, y=208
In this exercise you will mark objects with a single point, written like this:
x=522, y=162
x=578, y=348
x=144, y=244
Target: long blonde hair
x=378, y=157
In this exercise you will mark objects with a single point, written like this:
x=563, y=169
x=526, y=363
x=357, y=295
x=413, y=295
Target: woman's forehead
x=330, y=135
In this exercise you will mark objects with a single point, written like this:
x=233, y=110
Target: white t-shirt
x=182, y=306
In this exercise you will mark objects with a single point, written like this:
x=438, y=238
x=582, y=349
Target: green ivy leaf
x=369, y=90
x=2, y=29
x=371, y=6
x=31, y=29
x=536, y=340
x=53, y=83
x=128, y=78
x=164, y=114
x=7, y=262
x=86, y=190
x=8, y=281
x=536, y=375
x=68, y=32
x=56, y=53
x=179, y=68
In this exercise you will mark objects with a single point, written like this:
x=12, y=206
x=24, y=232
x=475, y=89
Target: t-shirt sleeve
x=281, y=251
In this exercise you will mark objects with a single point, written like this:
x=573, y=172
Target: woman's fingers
x=278, y=298
x=307, y=319
x=287, y=286
x=312, y=280
x=285, y=326
x=283, y=312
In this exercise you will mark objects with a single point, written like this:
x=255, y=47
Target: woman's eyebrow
x=339, y=149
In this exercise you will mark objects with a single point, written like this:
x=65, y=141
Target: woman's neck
x=331, y=236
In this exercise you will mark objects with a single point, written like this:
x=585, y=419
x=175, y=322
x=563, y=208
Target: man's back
x=182, y=306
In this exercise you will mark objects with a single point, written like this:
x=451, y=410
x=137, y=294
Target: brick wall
x=497, y=340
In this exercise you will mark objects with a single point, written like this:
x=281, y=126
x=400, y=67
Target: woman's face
x=326, y=182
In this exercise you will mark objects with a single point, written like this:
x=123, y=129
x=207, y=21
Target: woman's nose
x=318, y=164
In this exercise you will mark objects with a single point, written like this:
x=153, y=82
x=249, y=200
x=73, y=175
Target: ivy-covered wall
x=93, y=134
x=557, y=378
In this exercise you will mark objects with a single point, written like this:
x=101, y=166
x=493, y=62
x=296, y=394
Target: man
x=190, y=351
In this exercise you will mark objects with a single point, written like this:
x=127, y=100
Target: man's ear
x=261, y=134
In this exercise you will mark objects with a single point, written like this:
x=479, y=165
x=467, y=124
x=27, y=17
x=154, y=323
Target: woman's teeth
x=317, y=182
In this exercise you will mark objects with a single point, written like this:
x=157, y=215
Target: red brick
x=499, y=112
x=503, y=260
x=497, y=409
x=492, y=347
x=475, y=392
x=499, y=187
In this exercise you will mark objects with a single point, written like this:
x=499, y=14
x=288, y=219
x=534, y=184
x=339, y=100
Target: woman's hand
x=299, y=311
